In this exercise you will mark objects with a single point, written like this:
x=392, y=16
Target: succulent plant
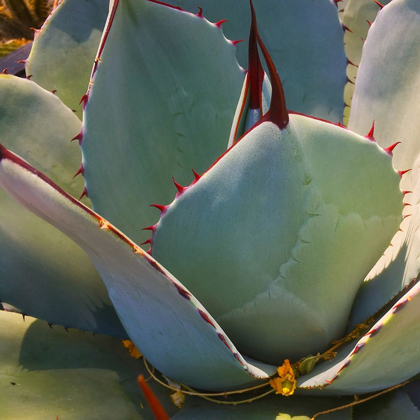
x=253, y=277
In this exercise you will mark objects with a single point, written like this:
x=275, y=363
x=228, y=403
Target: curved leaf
x=170, y=112
x=276, y=246
x=357, y=16
x=396, y=405
x=391, y=100
x=383, y=357
x=164, y=320
x=48, y=373
x=400, y=264
x=305, y=39
x=394, y=93
x=273, y=407
x=42, y=272
x=64, y=50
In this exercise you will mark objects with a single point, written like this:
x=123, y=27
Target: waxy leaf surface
x=278, y=235
x=163, y=319
x=171, y=111
x=385, y=356
x=305, y=39
x=64, y=50
x=46, y=373
x=391, y=100
x=42, y=272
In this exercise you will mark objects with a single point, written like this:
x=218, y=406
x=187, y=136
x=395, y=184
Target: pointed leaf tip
x=255, y=69
x=277, y=113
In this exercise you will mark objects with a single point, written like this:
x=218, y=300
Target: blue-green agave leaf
x=394, y=93
x=305, y=39
x=172, y=111
x=48, y=374
x=255, y=97
x=273, y=407
x=357, y=17
x=43, y=273
x=385, y=356
x=396, y=405
x=398, y=267
x=268, y=224
x=376, y=98
x=64, y=49
x=165, y=321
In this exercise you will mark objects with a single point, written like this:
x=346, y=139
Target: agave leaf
x=165, y=321
x=245, y=115
x=255, y=97
x=376, y=98
x=306, y=42
x=400, y=264
x=273, y=407
x=274, y=191
x=383, y=357
x=46, y=373
x=64, y=50
x=341, y=5
x=42, y=272
x=396, y=405
x=394, y=92
x=169, y=113
x=357, y=16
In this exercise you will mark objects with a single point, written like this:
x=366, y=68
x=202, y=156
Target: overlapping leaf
x=168, y=325
x=305, y=39
x=47, y=373
x=42, y=272
x=383, y=357
x=171, y=111
x=64, y=49
x=390, y=98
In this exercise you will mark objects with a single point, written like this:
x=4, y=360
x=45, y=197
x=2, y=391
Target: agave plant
x=258, y=265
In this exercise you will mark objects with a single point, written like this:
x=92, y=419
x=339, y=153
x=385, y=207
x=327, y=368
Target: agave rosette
x=262, y=257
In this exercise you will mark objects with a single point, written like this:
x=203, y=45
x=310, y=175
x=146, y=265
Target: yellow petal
x=285, y=384
x=134, y=351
